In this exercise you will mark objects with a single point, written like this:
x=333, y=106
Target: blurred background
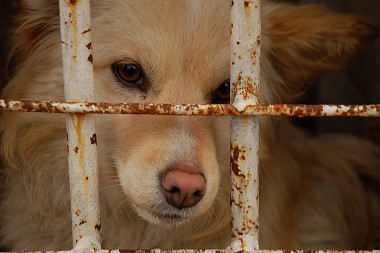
x=8, y=9
x=359, y=83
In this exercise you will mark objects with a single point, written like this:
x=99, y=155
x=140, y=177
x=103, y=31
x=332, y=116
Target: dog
x=165, y=179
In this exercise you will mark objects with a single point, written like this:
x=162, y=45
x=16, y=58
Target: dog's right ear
x=309, y=40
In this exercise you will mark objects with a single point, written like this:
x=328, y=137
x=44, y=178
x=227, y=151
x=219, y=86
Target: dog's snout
x=183, y=189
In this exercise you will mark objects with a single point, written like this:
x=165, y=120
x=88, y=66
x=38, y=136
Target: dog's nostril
x=174, y=190
x=183, y=189
x=198, y=194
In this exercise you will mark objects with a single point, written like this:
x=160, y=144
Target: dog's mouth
x=165, y=215
x=173, y=218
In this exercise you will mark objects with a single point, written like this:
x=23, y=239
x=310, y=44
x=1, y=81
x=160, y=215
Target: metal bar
x=78, y=83
x=192, y=109
x=245, y=79
x=214, y=251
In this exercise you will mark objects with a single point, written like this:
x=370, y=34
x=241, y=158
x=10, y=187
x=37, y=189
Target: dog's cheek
x=138, y=165
x=222, y=133
x=213, y=152
x=213, y=178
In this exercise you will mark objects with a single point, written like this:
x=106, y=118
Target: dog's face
x=171, y=169
x=162, y=52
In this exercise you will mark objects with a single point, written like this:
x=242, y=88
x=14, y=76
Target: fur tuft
x=305, y=46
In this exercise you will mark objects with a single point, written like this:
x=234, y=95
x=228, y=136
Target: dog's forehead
x=188, y=32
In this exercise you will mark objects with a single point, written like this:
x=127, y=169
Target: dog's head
x=171, y=168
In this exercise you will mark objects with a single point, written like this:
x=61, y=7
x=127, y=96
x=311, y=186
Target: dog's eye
x=129, y=73
x=222, y=94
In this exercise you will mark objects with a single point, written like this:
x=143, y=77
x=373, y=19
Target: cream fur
x=311, y=196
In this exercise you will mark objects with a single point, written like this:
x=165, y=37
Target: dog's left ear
x=309, y=40
x=37, y=19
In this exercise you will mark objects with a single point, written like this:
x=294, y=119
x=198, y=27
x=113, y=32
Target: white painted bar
x=245, y=81
x=78, y=81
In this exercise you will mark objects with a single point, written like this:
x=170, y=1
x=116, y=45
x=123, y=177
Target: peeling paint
x=93, y=139
x=293, y=110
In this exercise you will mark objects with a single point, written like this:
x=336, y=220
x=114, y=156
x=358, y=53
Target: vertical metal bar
x=245, y=80
x=79, y=86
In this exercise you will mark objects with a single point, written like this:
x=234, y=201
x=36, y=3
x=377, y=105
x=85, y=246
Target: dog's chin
x=165, y=218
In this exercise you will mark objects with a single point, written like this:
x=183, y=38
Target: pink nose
x=183, y=189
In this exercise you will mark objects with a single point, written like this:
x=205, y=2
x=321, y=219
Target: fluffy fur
x=312, y=194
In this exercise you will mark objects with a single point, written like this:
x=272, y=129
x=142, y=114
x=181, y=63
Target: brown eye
x=222, y=94
x=129, y=73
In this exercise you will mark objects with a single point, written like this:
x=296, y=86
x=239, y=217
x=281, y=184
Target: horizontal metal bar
x=230, y=251
x=215, y=251
x=192, y=109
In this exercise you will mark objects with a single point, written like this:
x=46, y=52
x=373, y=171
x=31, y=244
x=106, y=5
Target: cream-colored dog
x=165, y=179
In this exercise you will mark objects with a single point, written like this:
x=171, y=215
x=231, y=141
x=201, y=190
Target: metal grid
x=245, y=79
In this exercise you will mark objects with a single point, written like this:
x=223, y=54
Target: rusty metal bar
x=245, y=80
x=215, y=251
x=75, y=20
x=192, y=109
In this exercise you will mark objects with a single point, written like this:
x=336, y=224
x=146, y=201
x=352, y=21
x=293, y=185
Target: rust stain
x=98, y=227
x=73, y=23
x=247, y=181
x=247, y=9
x=93, y=139
x=250, y=89
x=235, y=160
x=86, y=31
x=236, y=203
x=78, y=120
x=82, y=222
x=235, y=87
x=236, y=154
x=258, y=40
x=90, y=58
x=253, y=55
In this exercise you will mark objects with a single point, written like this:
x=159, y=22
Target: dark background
x=8, y=10
x=359, y=83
